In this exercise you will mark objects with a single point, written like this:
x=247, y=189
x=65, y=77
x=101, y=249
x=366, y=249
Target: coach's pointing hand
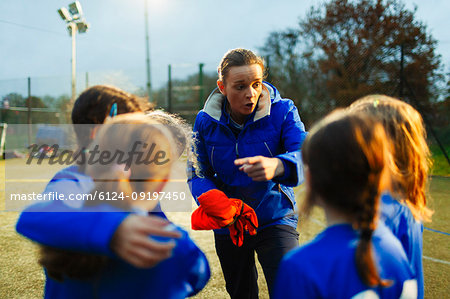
x=132, y=242
x=260, y=168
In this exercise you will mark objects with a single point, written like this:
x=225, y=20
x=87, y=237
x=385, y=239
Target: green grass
x=440, y=163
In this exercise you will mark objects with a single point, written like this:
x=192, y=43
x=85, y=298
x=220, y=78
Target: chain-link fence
x=317, y=88
x=46, y=99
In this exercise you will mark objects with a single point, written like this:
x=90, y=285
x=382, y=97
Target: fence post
x=29, y=111
x=200, y=86
x=169, y=90
x=402, y=60
x=269, y=78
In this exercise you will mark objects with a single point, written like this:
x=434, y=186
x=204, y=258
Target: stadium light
x=75, y=22
x=75, y=9
x=64, y=13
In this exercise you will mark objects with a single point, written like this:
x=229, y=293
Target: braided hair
x=346, y=155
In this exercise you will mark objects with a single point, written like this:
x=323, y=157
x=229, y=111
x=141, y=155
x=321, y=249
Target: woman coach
x=248, y=142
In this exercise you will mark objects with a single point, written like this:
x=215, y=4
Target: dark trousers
x=238, y=263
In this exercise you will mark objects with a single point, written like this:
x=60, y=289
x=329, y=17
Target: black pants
x=238, y=263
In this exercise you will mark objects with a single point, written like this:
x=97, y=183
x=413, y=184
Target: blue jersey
x=90, y=229
x=65, y=219
x=399, y=219
x=184, y=274
x=326, y=267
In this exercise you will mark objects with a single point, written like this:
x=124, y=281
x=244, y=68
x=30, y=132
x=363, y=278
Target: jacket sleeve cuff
x=289, y=169
x=293, y=170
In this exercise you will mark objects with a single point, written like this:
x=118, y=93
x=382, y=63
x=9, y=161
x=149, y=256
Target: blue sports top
x=399, y=219
x=63, y=226
x=326, y=268
x=184, y=274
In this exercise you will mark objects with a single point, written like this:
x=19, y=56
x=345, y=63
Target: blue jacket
x=184, y=274
x=326, y=267
x=274, y=129
x=90, y=229
x=65, y=219
x=400, y=220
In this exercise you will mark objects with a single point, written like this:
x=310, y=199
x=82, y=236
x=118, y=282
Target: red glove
x=246, y=220
x=216, y=211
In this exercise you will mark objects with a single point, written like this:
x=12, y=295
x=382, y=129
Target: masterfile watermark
x=56, y=168
x=140, y=153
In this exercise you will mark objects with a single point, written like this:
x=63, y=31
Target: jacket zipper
x=212, y=161
x=270, y=152
x=282, y=191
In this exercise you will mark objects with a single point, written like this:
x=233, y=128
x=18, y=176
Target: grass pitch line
x=436, y=231
x=436, y=260
x=7, y=226
x=318, y=222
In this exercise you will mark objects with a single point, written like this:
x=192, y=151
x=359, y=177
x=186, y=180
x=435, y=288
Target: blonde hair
x=406, y=132
x=178, y=127
x=126, y=133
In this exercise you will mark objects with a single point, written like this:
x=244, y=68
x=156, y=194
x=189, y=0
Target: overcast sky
x=34, y=41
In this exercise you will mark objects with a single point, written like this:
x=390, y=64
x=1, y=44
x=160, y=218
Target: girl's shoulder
x=342, y=238
x=397, y=216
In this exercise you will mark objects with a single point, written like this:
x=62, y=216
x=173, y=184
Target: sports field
x=21, y=277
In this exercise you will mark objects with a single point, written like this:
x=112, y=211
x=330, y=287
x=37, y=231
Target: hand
x=131, y=240
x=261, y=168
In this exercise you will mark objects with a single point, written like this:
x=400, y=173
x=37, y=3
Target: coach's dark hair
x=238, y=57
x=94, y=104
x=346, y=155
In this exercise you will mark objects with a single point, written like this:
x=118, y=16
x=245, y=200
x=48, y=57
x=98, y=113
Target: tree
x=14, y=99
x=354, y=48
x=35, y=102
x=295, y=74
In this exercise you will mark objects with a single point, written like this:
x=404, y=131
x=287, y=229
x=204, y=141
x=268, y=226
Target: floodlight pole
x=73, y=27
x=147, y=40
x=75, y=23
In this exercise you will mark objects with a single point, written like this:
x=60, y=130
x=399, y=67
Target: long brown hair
x=346, y=156
x=405, y=130
x=118, y=134
x=93, y=105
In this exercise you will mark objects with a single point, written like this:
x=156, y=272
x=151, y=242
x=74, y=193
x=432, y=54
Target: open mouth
x=249, y=105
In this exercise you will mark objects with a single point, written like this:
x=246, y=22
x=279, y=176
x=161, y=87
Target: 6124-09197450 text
x=100, y=195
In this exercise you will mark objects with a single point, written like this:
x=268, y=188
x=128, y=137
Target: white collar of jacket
x=214, y=103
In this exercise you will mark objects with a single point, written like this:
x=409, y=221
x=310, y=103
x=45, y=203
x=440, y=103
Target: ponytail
x=366, y=223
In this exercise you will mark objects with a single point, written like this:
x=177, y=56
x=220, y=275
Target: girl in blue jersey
x=345, y=157
x=91, y=109
x=73, y=274
x=404, y=210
